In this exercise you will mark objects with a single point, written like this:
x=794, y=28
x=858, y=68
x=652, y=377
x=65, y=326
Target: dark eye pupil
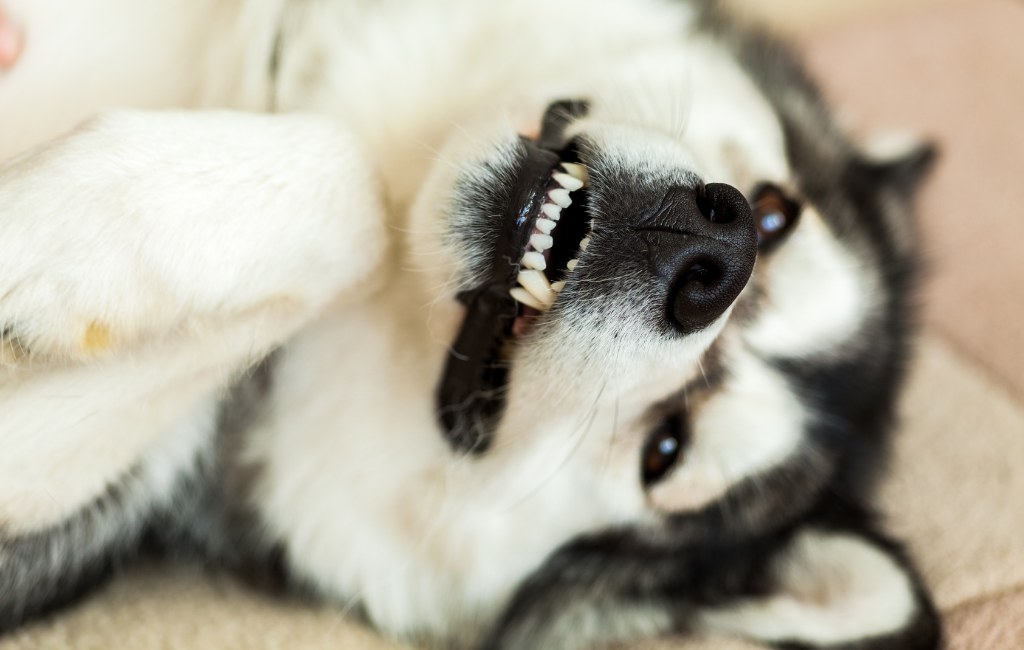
x=661, y=451
x=774, y=213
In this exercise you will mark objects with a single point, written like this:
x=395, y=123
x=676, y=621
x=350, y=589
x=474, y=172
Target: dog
x=503, y=325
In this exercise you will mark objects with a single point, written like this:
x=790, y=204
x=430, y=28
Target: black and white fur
x=223, y=332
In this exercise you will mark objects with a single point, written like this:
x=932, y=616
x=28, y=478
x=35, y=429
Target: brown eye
x=662, y=450
x=774, y=213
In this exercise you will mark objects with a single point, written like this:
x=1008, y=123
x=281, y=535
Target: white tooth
x=577, y=171
x=570, y=183
x=560, y=198
x=558, y=286
x=545, y=226
x=551, y=211
x=572, y=265
x=535, y=261
x=525, y=297
x=534, y=280
x=541, y=242
x=537, y=284
x=585, y=243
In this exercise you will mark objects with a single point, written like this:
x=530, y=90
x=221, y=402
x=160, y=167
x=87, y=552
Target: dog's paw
x=52, y=329
x=10, y=42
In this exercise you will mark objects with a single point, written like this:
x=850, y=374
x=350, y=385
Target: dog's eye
x=662, y=450
x=774, y=213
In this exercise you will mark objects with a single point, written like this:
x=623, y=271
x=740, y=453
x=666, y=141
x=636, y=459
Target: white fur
x=146, y=258
x=752, y=424
x=817, y=293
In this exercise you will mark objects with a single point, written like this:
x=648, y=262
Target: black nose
x=703, y=243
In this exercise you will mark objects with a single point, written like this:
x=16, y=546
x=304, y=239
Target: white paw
x=141, y=224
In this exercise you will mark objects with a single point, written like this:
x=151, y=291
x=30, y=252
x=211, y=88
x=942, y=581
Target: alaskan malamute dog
x=527, y=324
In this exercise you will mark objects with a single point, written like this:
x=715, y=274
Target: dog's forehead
x=704, y=100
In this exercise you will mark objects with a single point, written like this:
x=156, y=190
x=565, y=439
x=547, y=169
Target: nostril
x=701, y=293
x=702, y=244
x=704, y=204
x=703, y=272
x=720, y=203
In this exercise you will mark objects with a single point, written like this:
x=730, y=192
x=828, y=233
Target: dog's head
x=690, y=323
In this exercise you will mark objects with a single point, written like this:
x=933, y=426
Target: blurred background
x=951, y=71
x=804, y=17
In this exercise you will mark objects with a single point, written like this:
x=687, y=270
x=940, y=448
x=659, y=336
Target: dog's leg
x=819, y=589
x=141, y=224
x=145, y=260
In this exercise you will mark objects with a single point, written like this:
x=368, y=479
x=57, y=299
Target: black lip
x=471, y=393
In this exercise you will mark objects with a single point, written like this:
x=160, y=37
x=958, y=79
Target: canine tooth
x=551, y=211
x=534, y=279
x=577, y=171
x=545, y=226
x=572, y=265
x=560, y=198
x=570, y=183
x=558, y=286
x=542, y=242
x=534, y=261
x=525, y=297
x=537, y=284
x=584, y=243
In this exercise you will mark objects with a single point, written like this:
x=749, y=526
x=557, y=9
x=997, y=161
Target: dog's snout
x=703, y=244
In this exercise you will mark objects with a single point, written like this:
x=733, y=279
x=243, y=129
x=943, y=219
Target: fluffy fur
x=223, y=331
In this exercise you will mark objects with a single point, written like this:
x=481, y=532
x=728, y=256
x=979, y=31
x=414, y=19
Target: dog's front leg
x=145, y=260
x=142, y=225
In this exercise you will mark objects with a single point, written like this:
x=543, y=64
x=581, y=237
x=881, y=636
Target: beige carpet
x=957, y=487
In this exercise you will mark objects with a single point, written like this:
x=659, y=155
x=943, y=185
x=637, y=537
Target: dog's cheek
x=751, y=425
x=817, y=294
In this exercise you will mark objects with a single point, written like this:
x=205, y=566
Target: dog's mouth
x=560, y=233
x=544, y=232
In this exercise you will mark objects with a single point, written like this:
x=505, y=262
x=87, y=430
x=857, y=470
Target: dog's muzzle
x=697, y=242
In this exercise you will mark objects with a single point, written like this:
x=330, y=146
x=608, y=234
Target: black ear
x=836, y=589
x=905, y=173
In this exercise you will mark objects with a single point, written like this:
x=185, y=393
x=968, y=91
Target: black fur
x=203, y=518
x=45, y=570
